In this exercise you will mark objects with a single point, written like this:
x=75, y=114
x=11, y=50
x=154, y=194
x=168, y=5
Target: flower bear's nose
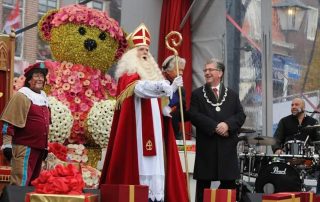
x=90, y=44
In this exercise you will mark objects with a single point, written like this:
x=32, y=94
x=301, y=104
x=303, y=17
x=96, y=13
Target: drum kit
x=263, y=173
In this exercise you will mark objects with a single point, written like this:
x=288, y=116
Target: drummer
x=290, y=127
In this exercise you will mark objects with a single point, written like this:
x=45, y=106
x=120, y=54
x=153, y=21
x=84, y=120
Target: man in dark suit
x=217, y=114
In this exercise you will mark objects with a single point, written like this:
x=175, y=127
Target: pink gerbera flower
x=71, y=79
x=77, y=100
x=81, y=75
x=76, y=116
x=86, y=82
x=66, y=86
x=88, y=93
x=84, y=107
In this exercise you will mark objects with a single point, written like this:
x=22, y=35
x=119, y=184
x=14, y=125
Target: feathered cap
x=39, y=65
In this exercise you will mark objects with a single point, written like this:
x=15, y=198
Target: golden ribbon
x=213, y=195
x=131, y=193
x=229, y=195
x=34, y=197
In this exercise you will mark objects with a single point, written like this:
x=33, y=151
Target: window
x=9, y=2
x=45, y=5
x=96, y=4
x=44, y=51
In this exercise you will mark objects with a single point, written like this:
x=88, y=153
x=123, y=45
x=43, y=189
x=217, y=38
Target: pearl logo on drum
x=277, y=171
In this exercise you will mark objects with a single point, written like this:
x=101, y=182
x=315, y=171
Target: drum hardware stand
x=242, y=182
x=251, y=152
x=306, y=149
x=305, y=142
x=248, y=186
x=303, y=175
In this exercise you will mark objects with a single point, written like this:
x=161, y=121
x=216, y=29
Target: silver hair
x=219, y=64
x=169, y=63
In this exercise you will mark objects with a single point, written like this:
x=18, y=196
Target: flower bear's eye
x=82, y=30
x=102, y=36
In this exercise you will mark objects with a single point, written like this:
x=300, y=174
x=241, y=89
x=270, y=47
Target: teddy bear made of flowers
x=84, y=42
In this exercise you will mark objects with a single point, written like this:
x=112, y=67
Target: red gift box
x=282, y=197
x=124, y=193
x=316, y=198
x=35, y=197
x=219, y=195
x=306, y=196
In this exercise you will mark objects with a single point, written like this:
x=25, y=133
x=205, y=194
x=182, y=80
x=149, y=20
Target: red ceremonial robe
x=121, y=162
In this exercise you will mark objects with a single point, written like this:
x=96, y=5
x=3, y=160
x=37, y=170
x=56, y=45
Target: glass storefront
x=295, y=58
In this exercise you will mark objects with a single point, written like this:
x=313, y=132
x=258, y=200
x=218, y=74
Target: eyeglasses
x=211, y=70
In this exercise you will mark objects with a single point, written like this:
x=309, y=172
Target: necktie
x=215, y=91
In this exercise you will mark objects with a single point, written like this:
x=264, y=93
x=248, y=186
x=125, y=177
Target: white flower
x=90, y=176
x=89, y=182
x=61, y=119
x=71, y=157
x=99, y=121
x=86, y=174
x=81, y=147
x=77, y=158
x=72, y=146
x=95, y=180
x=84, y=158
x=78, y=151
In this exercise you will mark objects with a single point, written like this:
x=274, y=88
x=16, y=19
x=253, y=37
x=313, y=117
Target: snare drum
x=243, y=148
x=252, y=163
x=297, y=161
x=278, y=177
x=294, y=147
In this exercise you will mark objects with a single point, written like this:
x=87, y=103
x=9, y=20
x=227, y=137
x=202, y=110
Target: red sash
x=148, y=141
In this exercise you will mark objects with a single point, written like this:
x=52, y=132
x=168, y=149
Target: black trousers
x=203, y=184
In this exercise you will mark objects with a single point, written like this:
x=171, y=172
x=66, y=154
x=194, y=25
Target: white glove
x=168, y=91
x=6, y=146
x=166, y=110
x=152, y=89
x=177, y=82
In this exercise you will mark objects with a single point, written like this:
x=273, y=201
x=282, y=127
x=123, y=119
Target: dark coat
x=216, y=156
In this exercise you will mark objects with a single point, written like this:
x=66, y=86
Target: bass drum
x=278, y=177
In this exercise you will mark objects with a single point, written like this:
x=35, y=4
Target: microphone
x=313, y=112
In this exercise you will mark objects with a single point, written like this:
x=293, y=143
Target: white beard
x=146, y=69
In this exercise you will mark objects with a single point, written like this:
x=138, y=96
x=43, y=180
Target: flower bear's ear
x=45, y=25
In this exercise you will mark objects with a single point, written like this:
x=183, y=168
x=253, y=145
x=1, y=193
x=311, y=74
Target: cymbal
x=261, y=140
x=312, y=127
x=316, y=142
x=245, y=136
x=246, y=130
